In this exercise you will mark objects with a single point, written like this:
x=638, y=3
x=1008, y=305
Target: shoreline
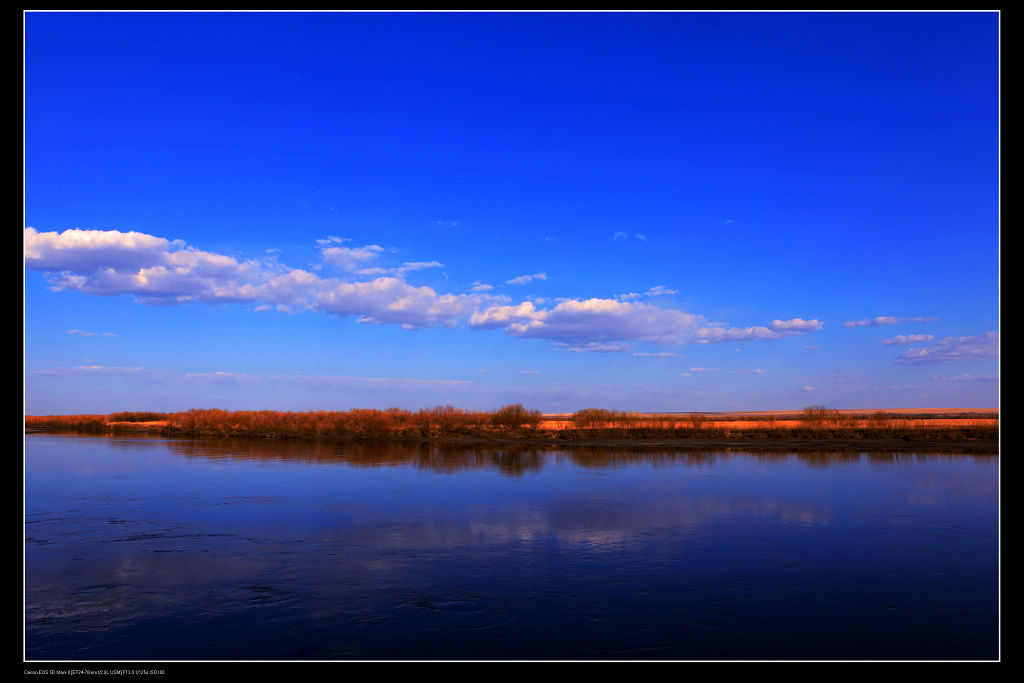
x=839, y=443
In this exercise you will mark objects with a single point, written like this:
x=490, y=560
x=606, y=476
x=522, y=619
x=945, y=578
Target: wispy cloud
x=657, y=290
x=332, y=239
x=217, y=374
x=880, y=320
x=589, y=347
x=659, y=354
x=402, y=270
x=901, y=339
x=777, y=329
x=523, y=279
x=951, y=349
x=88, y=370
x=967, y=377
x=83, y=333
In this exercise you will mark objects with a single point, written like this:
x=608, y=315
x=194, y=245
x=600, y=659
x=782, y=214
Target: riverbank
x=975, y=441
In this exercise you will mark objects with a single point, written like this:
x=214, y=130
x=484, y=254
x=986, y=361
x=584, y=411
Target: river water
x=150, y=549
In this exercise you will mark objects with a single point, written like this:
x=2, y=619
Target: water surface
x=154, y=549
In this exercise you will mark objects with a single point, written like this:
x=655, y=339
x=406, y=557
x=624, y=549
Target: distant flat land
x=741, y=414
x=751, y=419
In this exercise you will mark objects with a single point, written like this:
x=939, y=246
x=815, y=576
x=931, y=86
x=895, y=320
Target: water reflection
x=240, y=549
x=518, y=460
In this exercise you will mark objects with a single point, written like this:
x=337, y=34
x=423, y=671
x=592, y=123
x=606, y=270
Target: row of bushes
x=137, y=417
x=358, y=423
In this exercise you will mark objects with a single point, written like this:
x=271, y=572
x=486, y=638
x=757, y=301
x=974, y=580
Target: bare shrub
x=591, y=418
x=819, y=417
x=515, y=416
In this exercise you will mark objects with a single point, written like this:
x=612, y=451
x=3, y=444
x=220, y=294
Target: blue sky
x=640, y=211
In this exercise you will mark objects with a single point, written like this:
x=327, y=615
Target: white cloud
x=795, y=325
x=478, y=286
x=87, y=250
x=951, y=349
x=350, y=258
x=505, y=315
x=660, y=290
x=901, y=339
x=390, y=300
x=590, y=321
x=160, y=272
